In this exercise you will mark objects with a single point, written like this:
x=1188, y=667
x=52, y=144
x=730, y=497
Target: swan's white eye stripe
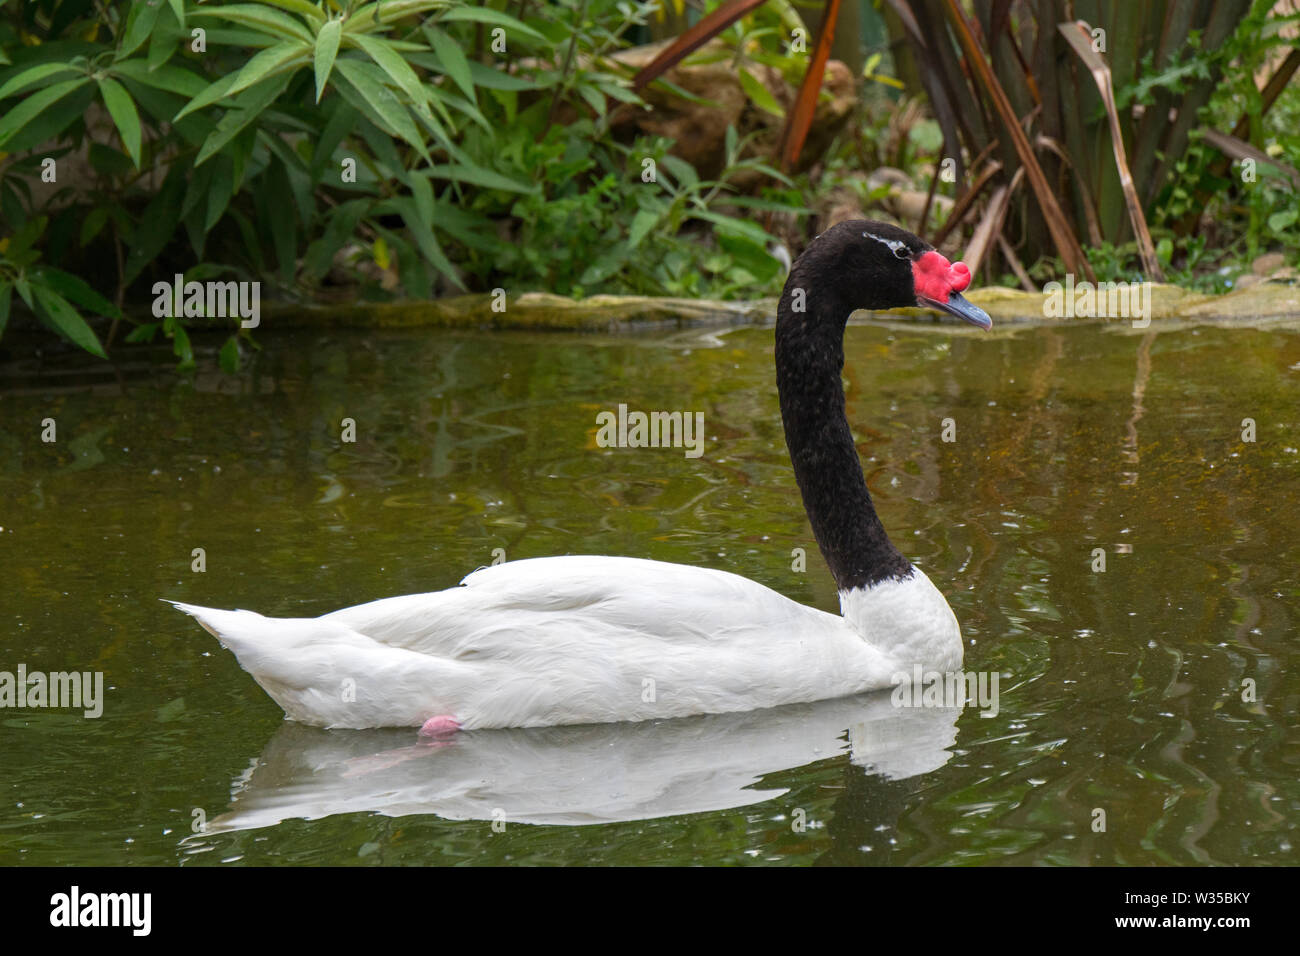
x=896, y=246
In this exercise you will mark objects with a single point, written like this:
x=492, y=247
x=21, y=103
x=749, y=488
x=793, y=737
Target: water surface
x=1120, y=691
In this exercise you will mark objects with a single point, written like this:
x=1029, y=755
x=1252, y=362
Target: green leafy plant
x=299, y=144
x=52, y=294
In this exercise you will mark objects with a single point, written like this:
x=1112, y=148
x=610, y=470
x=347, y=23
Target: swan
x=587, y=640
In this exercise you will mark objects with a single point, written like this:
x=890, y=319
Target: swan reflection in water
x=577, y=775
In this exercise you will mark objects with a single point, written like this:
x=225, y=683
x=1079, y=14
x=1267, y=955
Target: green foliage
x=1246, y=215
x=621, y=232
x=1187, y=261
x=443, y=145
x=52, y=294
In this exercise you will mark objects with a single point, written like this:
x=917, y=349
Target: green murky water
x=1121, y=691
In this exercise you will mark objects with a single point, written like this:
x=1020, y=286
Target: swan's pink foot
x=444, y=725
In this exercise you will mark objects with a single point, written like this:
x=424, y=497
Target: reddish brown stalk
x=694, y=38
x=805, y=105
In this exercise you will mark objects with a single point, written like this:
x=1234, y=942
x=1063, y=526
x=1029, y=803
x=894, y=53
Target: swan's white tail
x=234, y=629
x=268, y=648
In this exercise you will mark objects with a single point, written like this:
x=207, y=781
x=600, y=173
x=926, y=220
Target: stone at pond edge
x=532, y=310
x=612, y=313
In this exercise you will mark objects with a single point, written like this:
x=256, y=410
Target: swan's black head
x=863, y=264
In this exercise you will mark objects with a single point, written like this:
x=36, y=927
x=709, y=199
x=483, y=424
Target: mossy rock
x=615, y=313
x=533, y=310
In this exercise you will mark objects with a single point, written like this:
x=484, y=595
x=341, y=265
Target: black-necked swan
x=579, y=639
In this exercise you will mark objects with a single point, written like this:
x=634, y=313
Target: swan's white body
x=574, y=640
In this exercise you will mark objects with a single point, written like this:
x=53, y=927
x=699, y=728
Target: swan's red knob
x=959, y=276
x=934, y=277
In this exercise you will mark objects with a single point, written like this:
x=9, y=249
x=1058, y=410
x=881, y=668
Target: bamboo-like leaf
x=478, y=176
x=453, y=60
x=1079, y=36
x=487, y=15
x=327, y=47
x=122, y=109
x=34, y=74
x=92, y=225
x=372, y=16
x=296, y=173
x=339, y=123
x=694, y=38
x=25, y=291
x=469, y=109
x=392, y=63
x=139, y=24
x=618, y=91
x=283, y=58
x=425, y=240
x=75, y=290
x=642, y=223
x=31, y=107
x=438, y=131
x=215, y=91
x=197, y=190
x=759, y=94
x=343, y=220
x=181, y=346
x=422, y=196
x=165, y=40
x=60, y=315
x=730, y=225
x=173, y=79
x=262, y=19
x=595, y=99
x=789, y=16
x=46, y=126
x=302, y=7
x=156, y=224
x=243, y=111
x=221, y=188
x=387, y=106
x=805, y=104
x=228, y=357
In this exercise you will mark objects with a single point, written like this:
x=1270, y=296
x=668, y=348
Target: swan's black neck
x=809, y=360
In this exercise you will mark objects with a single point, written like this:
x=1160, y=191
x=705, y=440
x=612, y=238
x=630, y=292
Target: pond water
x=1159, y=698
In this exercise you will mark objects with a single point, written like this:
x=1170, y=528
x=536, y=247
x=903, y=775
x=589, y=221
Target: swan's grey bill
x=961, y=307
